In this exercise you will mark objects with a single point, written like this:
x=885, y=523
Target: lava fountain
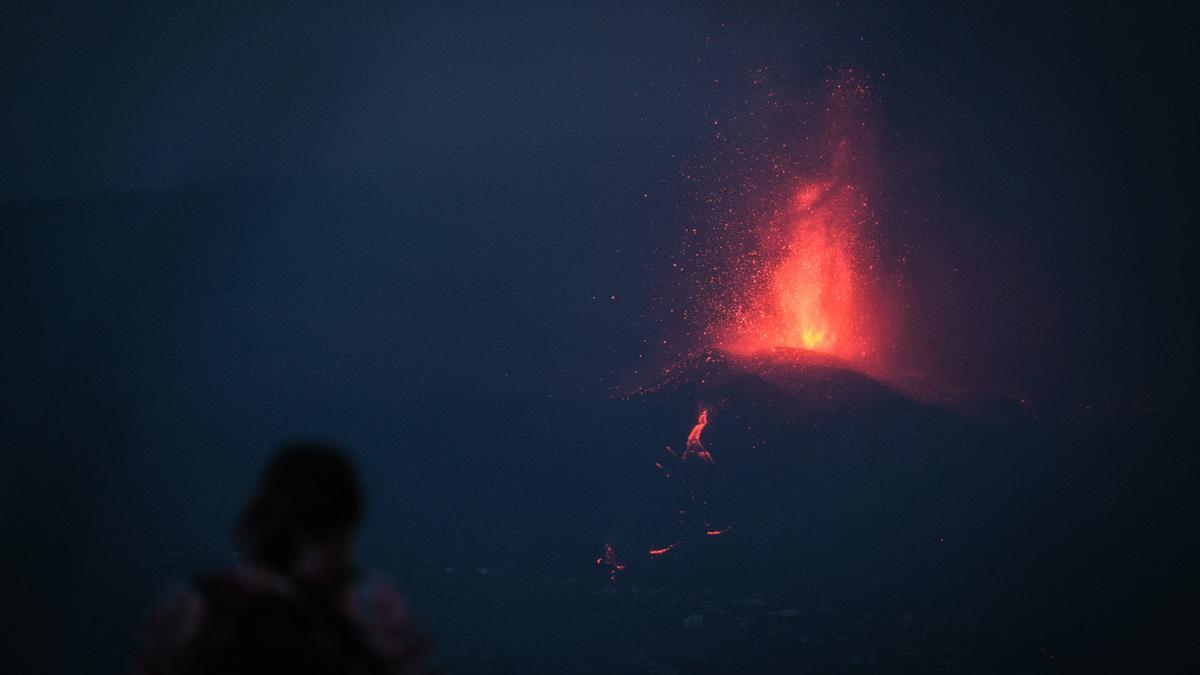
x=811, y=297
x=805, y=274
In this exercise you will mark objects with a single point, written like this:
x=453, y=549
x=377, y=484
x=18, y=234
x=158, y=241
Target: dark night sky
x=1040, y=152
x=227, y=222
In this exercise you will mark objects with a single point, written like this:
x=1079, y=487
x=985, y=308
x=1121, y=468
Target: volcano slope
x=858, y=527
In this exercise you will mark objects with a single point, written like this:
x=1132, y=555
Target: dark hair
x=309, y=490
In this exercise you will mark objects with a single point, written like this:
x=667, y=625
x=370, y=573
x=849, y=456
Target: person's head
x=301, y=517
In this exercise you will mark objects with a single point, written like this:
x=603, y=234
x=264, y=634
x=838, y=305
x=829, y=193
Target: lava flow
x=695, y=482
x=694, y=447
x=665, y=549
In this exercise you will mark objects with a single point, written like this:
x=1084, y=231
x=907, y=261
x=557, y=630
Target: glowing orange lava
x=812, y=297
x=665, y=549
x=812, y=288
x=694, y=447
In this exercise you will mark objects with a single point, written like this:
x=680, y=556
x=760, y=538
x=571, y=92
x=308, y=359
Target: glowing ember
x=609, y=560
x=716, y=533
x=666, y=549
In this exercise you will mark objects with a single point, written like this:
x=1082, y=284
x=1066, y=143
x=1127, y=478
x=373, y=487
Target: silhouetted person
x=291, y=606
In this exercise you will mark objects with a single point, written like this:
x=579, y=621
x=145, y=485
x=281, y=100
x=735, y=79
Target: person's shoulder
x=178, y=616
x=379, y=611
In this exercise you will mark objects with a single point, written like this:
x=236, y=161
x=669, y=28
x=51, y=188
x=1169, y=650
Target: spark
x=666, y=549
x=609, y=559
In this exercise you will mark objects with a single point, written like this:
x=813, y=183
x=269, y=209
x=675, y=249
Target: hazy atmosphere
x=665, y=337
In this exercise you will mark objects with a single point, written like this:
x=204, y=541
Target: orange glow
x=812, y=297
x=665, y=549
x=716, y=533
x=808, y=278
x=813, y=289
x=694, y=447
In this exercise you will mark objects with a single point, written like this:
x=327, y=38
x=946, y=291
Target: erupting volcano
x=811, y=297
x=787, y=264
x=785, y=298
